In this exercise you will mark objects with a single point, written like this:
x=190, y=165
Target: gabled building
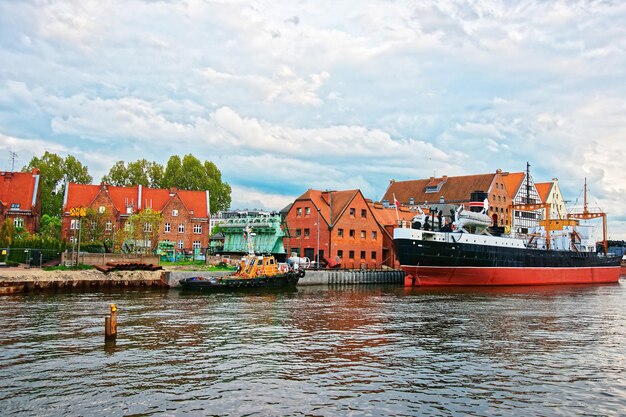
x=550, y=192
x=20, y=199
x=521, y=190
x=328, y=224
x=445, y=192
x=185, y=213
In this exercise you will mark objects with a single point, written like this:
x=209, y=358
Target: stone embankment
x=39, y=280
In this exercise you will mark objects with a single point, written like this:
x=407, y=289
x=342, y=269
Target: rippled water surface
x=318, y=351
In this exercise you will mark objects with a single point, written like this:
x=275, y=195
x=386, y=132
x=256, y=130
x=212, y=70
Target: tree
x=50, y=227
x=94, y=225
x=55, y=172
x=143, y=229
x=7, y=232
x=140, y=172
x=191, y=174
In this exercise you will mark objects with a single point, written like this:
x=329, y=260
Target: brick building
x=185, y=213
x=448, y=192
x=339, y=224
x=20, y=199
x=521, y=190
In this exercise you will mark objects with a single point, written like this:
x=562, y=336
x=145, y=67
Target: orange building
x=185, y=213
x=20, y=199
x=328, y=224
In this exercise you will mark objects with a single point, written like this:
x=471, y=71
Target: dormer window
x=15, y=206
x=432, y=188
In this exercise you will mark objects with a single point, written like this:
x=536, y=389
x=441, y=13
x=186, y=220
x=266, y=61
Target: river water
x=376, y=350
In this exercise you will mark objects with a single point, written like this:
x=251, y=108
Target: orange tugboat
x=254, y=271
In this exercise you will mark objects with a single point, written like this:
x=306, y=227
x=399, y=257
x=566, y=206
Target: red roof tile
x=80, y=195
x=196, y=201
x=452, y=188
x=18, y=188
x=330, y=203
x=512, y=182
x=543, y=188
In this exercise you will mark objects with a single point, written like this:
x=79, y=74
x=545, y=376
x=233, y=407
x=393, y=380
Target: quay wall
x=35, y=280
x=355, y=277
x=171, y=278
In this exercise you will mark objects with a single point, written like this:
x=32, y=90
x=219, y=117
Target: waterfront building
x=521, y=190
x=446, y=193
x=326, y=225
x=264, y=229
x=185, y=214
x=550, y=192
x=20, y=199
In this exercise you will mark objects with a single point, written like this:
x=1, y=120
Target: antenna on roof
x=12, y=155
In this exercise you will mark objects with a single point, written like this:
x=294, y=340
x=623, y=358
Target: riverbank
x=35, y=279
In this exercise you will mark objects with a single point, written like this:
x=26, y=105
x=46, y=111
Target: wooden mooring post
x=110, y=324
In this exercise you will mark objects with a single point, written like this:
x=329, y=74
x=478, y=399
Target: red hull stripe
x=431, y=276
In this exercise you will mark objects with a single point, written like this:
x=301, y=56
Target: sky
x=284, y=96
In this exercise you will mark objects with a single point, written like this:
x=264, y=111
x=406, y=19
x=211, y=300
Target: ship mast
x=586, y=215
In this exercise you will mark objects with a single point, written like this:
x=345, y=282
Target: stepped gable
x=19, y=188
x=453, y=189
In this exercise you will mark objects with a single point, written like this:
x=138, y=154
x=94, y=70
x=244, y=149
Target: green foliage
x=32, y=247
x=7, y=232
x=190, y=174
x=140, y=172
x=55, y=173
x=92, y=247
x=50, y=227
x=93, y=225
x=144, y=230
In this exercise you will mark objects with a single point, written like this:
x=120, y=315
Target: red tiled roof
x=543, y=188
x=18, y=188
x=80, y=195
x=386, y=216
x=452, y=188
x=512, y=182
x=196, y=201
x=325, y=200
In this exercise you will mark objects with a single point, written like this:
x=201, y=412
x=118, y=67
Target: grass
x=80, y=267
x=197, y=266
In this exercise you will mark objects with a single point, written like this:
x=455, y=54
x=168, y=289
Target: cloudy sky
x=289, y=95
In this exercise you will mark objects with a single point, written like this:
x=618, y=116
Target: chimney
x=173, y=190
x=391, y=181
x=444, y=178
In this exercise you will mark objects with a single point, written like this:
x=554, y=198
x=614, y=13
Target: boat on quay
x=467, y=252
x=253, y=271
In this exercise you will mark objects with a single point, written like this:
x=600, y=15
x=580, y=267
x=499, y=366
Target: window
x=432, y=189
x=352, y=211
x=74, y=224
x=93, y=225
x=373, y=255
x=374, y=235
x=307, y=211
x=197, y=229
x=174, y=213
x=108, y=225
x=340, y=253
x=352, y=233
x=299, y=211
x=362, y=254
x=127, y=226
x=363, y=213
x=306, y=232
x=180, y=244
x=298, y=232
x=340, y=232
x=147, y=227
x=15, y=206
x=72, y=239
x=167, y=227
x=362, y=234
x=101, y=209
x=196, y=244
x=181, y=228
x=351, y=254
x=18, y=222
